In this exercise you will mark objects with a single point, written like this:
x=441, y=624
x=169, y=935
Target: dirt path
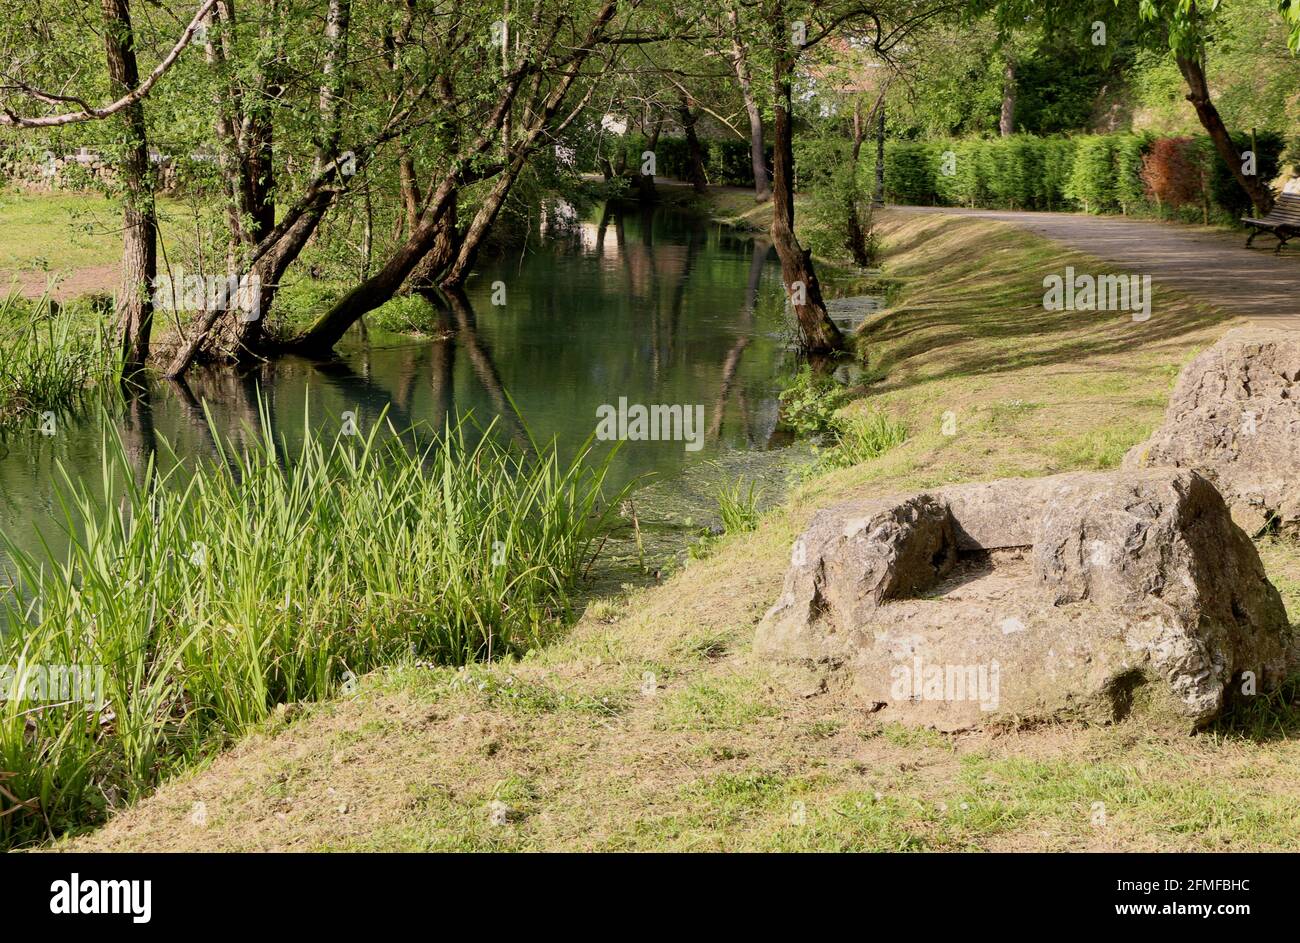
x=1205, y=263
x=93, y=279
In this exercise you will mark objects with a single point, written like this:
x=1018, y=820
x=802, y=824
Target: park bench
x=1283, y=220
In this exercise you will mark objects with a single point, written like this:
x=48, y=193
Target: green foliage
x=210, y=595
x=727, y=161
x=1092, y=178
x=405, y=314
x=738, y=506
x=834, y=196
x=1129, y=190
x=1225, y=191
x=1098, y=173
x=808, y=405
x=302, y=301
x=909, y=176
x=51, y=355
x=864, y=439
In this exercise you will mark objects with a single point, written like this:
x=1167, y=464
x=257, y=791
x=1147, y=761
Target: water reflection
x=648, y=305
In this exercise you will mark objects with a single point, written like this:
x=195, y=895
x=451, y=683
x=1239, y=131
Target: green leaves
x=209, y=595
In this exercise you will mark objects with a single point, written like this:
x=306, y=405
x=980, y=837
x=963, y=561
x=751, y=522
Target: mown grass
x=729, y=751
x=209, y=596
x=56, y=231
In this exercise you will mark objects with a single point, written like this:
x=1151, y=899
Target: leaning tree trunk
x=139, y=217
x=240, y=334
x=445, y=246
x=1199, y=95
x=378, y=288
x=454, y=277
x=818, y=334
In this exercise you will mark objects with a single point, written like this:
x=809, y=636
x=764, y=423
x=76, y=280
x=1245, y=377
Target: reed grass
x=738, y=507
x=51, y=356
x=211, y=594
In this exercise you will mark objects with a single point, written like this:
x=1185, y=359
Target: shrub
x=909, y=172
x=1225, y=191
x=51, y=355
x=1092, y=178
x=808, y=405
x=1171, y=172
x=863, y=439
x=1058, y=160
x=1129, y=190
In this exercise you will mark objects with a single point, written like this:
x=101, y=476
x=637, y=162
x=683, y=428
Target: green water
x=654, y=307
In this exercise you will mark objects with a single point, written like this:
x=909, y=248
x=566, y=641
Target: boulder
x=1081, y=596
x=1235, y=417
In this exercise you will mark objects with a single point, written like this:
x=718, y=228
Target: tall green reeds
x=50, y=355
x=210, y=595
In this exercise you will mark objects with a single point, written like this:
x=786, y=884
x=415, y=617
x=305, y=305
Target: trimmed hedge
x=1096, y=173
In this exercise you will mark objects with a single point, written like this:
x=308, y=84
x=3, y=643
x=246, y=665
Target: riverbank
x=652, y=726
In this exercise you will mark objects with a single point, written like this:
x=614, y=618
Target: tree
x=547, y=63
x=1183, y=27
x=780, y=40
x=757, y=152
x=139, y=214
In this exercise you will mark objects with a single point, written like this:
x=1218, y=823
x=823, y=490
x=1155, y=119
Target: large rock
x=1083, y=596
x=1235, y=417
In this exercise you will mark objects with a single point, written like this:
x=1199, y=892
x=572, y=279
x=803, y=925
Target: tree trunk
x=1193, y=71
x=241, y=335
x=410, y=191
x=454, y=278
x=819, y=336
x=757, y=155
x=445, y=246
x=694, y=152
x=646, y=182
x=378, y=288
x=879, y=198
x=139, y=218
x=856, y=237
x=1007, y=119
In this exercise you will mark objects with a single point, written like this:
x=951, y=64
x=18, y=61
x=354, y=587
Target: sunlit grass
x=50, y=356
x=211, y=595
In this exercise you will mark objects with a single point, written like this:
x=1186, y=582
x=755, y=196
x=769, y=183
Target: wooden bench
x=1283, y=220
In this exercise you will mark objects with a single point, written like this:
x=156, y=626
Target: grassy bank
x=651, y=725
x=210, y=599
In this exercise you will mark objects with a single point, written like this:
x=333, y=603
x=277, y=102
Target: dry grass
x=652, y=726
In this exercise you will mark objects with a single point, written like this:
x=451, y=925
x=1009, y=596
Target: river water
x=650, y=306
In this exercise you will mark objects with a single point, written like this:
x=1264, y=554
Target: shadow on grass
x=990, y=302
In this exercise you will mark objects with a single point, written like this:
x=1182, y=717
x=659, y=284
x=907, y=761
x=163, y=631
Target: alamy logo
x=928, y=682
x=1098, y=293
x=76, y=896
x=37, y=683
x=657, y=423
x=191, y=292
